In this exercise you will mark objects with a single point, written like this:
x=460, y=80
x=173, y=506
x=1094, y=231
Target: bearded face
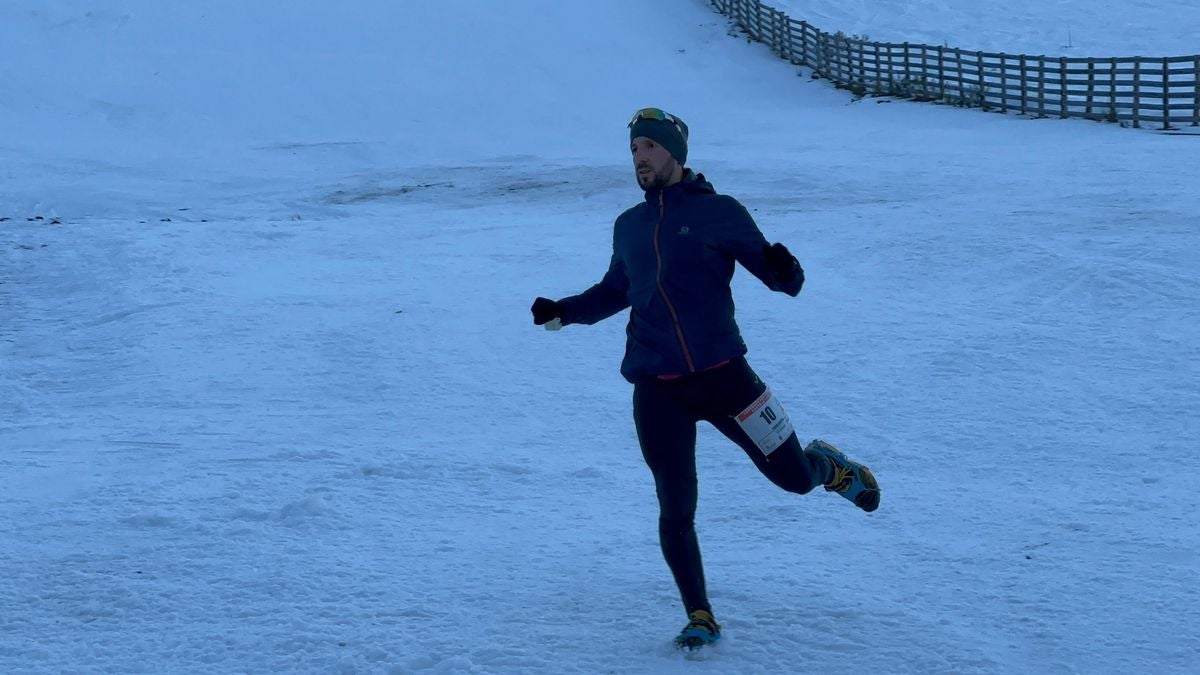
x=653, y=166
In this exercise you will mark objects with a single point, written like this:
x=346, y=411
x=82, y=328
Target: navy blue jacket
x=673, y=258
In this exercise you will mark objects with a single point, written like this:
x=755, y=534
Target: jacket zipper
x=687, y=355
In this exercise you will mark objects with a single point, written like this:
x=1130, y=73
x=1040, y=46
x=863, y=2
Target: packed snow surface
x=271, y=399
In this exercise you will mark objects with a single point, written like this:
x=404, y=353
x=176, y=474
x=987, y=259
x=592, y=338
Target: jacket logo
x=684, y=230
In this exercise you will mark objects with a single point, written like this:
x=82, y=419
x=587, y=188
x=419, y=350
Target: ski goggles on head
x=657, y=114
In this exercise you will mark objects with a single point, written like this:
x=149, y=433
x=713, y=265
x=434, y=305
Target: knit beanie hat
x=669, y=132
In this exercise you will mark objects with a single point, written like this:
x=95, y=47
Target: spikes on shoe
x=702, y=629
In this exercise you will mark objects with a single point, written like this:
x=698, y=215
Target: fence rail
x=1135, y=90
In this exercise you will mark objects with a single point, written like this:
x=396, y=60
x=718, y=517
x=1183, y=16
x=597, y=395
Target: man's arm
x=600, y=301
x=773, y=265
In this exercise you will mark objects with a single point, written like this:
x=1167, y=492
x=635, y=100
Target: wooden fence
x=1136, y=91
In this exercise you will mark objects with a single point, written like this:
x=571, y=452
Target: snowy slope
x=1095, y=28
x=270, y=399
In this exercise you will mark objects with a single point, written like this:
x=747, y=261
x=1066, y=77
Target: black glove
x=545, y=311
x=782, y=263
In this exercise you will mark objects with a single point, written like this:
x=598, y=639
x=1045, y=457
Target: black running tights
x=665, y=413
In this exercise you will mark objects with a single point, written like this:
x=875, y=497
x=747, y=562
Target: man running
x=672, y=263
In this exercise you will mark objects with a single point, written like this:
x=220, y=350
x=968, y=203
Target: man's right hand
x=545, y=311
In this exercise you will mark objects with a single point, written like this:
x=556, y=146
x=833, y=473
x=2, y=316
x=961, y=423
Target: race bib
x=765, y=422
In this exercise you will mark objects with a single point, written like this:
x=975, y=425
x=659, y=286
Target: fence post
x=1196, y=96
x=848, y=51
x=1166, y=73
x=837, y=50
x=907, y=71
x=834, y=57
x=862, y=64
x=878, y=68
x=1091, y=86
x=846, y=56
x=1041, y=86
x=924, y=73
x=769, y=40
x=1062, y=75
x=1024, y=89
x=785, y=27
x=782, y=34
x=1112, y=92
x=1003, y=83
x=941, y=56
x=820, y=53
x=802, y=59
x=1137, y=92
x=777, y=35
x=862, y=70
x=779, y=28
x=983, y=103
x=804, y=43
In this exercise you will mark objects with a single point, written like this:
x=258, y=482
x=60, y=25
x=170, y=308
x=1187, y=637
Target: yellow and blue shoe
x=849, y=478
x=702, y=629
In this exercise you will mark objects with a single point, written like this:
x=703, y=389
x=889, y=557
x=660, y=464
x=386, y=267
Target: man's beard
x=657, y=179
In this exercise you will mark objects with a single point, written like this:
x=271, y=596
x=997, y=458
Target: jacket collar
x=692, y=182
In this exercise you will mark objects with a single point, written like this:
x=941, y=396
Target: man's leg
x=728, y=392
x=667, y=434
x=788, y=466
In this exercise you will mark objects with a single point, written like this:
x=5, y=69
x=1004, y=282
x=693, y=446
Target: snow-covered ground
x=270, y=397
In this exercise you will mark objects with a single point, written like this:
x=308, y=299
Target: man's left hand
x=782, y=263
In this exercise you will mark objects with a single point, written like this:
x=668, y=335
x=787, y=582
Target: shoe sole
x=692, y=644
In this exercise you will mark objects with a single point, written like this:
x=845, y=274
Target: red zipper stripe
x=687, y=355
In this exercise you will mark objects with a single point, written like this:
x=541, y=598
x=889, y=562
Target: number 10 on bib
x=765, y=422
